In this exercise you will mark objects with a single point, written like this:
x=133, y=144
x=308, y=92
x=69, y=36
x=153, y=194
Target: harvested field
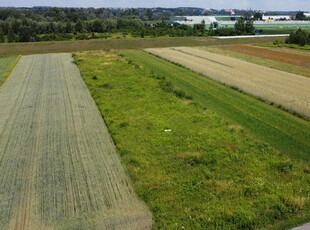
x=288, y=90
x=283, y=56
x=58, y=165
x=286, y=67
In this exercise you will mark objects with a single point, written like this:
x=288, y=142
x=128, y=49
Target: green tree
x=24, y=34
x=258, y=16
x=11, y=35
x=2, y=39
x=244, y=26
x=300, y=16
x=149, y=14
x=80, y=26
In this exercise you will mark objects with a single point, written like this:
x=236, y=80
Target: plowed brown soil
x=282, y=56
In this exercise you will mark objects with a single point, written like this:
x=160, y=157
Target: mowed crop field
x=300, y=59
x=58, y=165
x=286, y=89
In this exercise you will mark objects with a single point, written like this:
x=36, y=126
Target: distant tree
x=99, y=26
x=80, y=26
x=149, y=14
x=300, y=37
x=24, y=34
x=69, y=27
x=142, y=33
x=2, y=39
x=203, y=27
x=211, y=29
x=244, y=26
x=11, y=35
x=258, y=16
x=300, y=16
x=249, y=27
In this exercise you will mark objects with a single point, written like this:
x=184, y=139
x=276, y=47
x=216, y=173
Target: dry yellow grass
x=286, y=89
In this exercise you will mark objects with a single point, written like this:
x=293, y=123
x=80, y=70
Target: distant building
x=275, y=17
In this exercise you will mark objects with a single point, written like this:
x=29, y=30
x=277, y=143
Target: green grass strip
x=7, y=64
x=285, y=132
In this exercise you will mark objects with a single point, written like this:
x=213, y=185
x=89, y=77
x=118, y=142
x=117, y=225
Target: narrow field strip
x=282, y=130
x=193, y=168
x=58, y=165
x=277, y=55
x=288, y=90
x=6, y=64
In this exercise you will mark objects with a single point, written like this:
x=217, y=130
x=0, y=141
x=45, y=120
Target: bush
x=300, y=37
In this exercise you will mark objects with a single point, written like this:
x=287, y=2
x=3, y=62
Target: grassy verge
x=282, y=130
x=7, y=64
x=203, y=173
x=72, y=46
x=290, y=68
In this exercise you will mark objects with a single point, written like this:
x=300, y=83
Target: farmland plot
x=58, y=165
x=288, y=90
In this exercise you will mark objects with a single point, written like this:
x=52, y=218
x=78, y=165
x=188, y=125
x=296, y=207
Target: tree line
x=49, y=24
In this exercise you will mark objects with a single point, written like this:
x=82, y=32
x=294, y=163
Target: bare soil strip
x=277, y=55
x=288, y=90
x=58, y=165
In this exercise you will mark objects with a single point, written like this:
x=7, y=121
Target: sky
x=287, y=5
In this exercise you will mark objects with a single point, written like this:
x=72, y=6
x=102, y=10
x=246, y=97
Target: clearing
x=58, y=165
x=286, y=89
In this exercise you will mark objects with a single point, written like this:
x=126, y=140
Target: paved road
x=253, y=36
x=58, y=165
x=304, y=227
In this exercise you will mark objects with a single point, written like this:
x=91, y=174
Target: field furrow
x=288, y=90
x=58, y=165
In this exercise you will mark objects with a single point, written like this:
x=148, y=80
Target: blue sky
x=217, y=4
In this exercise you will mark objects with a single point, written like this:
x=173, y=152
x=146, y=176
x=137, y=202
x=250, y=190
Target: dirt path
x=277, y=55
x=58, y=165
x=288, y=90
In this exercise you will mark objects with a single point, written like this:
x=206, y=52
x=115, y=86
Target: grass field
x=70, y=46
x=282, y=130
x=207, y=172
x=278, y=87
x=290, y=68
x=59, y=168
x=6, y=66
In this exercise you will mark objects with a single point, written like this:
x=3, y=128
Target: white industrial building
x=276, y=17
